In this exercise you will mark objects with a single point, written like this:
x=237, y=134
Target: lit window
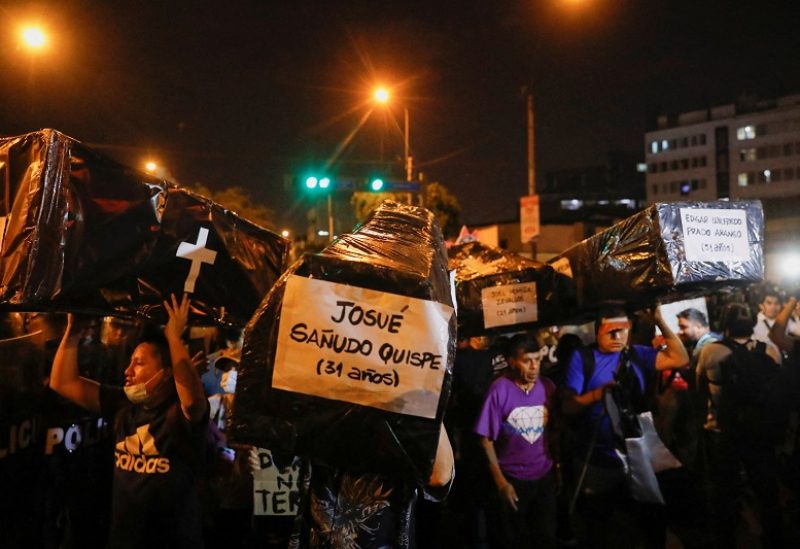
x=745, y=132
x=664, y=145
x=654, y=147
x=627, y=202
x=323, y=233
x=767, y=176
x=641, y=167
x=604, y=202
x=685, y=188
x=572, y=205
x=743, y=180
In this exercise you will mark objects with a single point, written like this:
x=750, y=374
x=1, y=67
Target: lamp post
x=382, y=96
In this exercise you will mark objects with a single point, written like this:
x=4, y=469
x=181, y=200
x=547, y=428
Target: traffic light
x=315, y=183
x=376, y=185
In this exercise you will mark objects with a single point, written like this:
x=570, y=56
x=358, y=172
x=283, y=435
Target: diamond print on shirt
x=528, y=421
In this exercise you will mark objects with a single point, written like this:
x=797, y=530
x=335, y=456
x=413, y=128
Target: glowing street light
x=34, y=38
x=150, y=167
x=381, y=95
x=285, y=233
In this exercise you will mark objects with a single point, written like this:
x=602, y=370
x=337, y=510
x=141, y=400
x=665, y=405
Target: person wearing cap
x=513, y=426
x=160, y=419
x=604, y=486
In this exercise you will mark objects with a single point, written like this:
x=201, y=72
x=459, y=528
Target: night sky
x=245, y=92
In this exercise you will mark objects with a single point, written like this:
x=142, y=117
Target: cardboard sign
x=362, y=346
x=275, y=491
x=715, y=234
x=509, y=304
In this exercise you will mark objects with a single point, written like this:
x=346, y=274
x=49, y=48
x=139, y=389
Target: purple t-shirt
x=516, y=423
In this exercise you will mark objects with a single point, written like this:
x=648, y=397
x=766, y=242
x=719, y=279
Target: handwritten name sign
x=715, y=235
x=362, y=346
x=509, y=304
x=275, y=491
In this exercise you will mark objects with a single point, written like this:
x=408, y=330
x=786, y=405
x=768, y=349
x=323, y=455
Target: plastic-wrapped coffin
x=498, y=291
x=668, y=251
x=83, y=233
x=348, y=360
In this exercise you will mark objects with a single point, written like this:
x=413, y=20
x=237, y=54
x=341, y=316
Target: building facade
x=747, y=150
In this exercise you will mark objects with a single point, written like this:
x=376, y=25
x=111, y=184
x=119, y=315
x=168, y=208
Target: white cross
x=197, y=254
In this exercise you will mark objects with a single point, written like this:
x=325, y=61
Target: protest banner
x=276, y=490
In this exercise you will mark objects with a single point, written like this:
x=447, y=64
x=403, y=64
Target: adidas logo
x=138, y=453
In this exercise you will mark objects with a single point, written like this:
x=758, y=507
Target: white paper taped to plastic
x=509, y=304
x=362, y=346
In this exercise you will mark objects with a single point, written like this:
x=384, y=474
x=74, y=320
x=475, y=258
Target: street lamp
x=34, y=38
x=382, y=96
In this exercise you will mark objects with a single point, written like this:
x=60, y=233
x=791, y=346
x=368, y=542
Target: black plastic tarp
x=498, y=291
x=83, y=233
x=666, y=252
x=397, y=254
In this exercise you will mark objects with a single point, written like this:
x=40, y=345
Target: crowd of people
x=721, y=396
x=548, y=430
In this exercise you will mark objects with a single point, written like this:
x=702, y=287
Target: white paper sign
x=275, y=491
x=362, y=346
x=509, y=304
x=715, y=235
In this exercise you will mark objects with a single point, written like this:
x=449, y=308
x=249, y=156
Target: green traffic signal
x=324, y=183
x=376, y=185
x=312, y=182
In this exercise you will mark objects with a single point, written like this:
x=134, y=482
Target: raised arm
x=65, y=379
x=778, y=333
x=675, y=355
x=187, y=380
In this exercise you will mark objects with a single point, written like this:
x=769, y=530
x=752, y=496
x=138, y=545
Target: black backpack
x=747, y=380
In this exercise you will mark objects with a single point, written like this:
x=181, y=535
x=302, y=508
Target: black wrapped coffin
x=498, y=291
x=666, y=252
x=83, y=233
x=348, y=360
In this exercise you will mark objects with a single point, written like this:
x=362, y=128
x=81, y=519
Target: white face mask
x=228, y=381
x=139, y=392
x=136, y=393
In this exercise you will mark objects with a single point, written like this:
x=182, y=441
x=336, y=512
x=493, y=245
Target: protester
x=513, y=426
x=603, y=489
x=160, y=418
x=768, y=309
x=735, y=375
x=694, y=331
x=472, y=376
